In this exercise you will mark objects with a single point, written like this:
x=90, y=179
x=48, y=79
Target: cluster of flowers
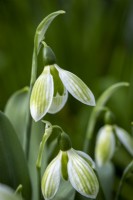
x=49, y=95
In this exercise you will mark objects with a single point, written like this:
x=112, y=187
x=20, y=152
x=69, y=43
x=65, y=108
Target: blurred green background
x=94, y=40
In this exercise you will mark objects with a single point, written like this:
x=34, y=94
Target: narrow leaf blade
x=12, y=160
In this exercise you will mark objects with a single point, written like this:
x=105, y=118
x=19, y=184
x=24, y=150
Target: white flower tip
x=35, y=115
x=91, y=100
x=77, y=88
x=51, y=178
x=81, y=174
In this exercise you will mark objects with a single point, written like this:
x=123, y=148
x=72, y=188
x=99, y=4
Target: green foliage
x=16, y=111
x=100, y=106
x=94, y=40
x=12, y=160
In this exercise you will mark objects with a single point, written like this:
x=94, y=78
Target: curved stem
x=91, y=125
x=58, y=127
x=97, y=110
x=128, y=169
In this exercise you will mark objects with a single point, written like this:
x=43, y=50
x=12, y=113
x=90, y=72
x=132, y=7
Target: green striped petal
x=51, y=178
x=105, y=145
x=125, y=139
x=76, y=87
x=82, y=176
x=87, y=158
x=42, y=94
x=58, y=102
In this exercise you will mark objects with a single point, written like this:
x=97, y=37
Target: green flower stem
x=91, y=125
x=29, y=119
x=127, y=170
x=48, y=132
x=100, y=106
x=40, y=197
x=39, y=37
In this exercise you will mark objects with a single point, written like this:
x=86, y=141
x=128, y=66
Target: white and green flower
x=105, y=145
x=72, y=165
x=50, y=91
x=106, y=142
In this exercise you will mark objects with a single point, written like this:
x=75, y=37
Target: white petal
x=7, y=193
x=51, y=178
x=87, y=158
x=105, y=145
x=125, y=139
x=76, y=87
x=58, y=102
x=82, y=176
x=42, y=94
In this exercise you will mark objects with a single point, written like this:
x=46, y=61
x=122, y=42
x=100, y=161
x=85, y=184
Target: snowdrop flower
x=105, y=143
x=72, y=165
x=50, y=91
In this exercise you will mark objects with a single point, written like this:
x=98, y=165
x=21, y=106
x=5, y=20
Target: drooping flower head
x=50, y=91
x=105, y=145
x=106, y=141
x=72, y=165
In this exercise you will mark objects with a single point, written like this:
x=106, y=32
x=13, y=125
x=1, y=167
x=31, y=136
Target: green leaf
x=100, y=107
x=6, y=193
x=12, y=160
x=16, y=111
x=17, y=104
